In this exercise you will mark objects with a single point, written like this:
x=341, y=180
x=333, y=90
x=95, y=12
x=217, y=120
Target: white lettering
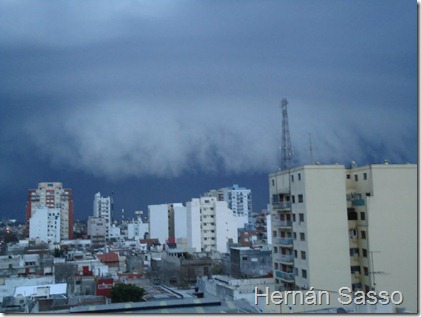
x=372, y=299
x=384, y=298
x=276, y=295
x=341, y=292
x=392, y=297
x=257, y=294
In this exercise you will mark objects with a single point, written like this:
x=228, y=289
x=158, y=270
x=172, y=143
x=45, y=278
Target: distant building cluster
x=327, y=227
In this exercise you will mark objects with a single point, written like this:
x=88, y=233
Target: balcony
x=357, y=202
x=287, y=277
x=282, y=205
x=283, y=258
x=282, y=223
x=287, y=242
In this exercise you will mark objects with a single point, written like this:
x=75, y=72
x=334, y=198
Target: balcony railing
x=281, y=205
x=284, y=258
x=285, y=276
x=283, y=241
x=357, y=202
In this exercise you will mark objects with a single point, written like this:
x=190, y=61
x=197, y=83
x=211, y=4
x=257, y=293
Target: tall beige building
x=52, y=195
x=334, y=227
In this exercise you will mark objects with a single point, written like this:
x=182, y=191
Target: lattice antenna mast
x=286, y=140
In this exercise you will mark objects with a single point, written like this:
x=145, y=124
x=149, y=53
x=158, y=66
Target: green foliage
x=126, y=293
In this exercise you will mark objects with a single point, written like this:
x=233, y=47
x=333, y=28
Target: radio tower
x=286, y=140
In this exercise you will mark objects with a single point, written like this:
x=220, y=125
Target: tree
x=126, y=293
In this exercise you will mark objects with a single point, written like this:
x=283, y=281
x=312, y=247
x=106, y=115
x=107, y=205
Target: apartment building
x=52, y=195
x=102, y=209
x=310, y=228
x=210, y=224
x=382, y=221
x=334, y=227
x=239, y=200
x=97, y=226
x=159, y=222
x=45, y=225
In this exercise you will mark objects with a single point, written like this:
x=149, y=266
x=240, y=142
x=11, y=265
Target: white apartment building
x=45, y=225
x=136, y=229
x=210, y=225
x=52, y=195
x=334, y=227
x=102, y=209
x=96, y=226
x=239, y=200
x=159, y=222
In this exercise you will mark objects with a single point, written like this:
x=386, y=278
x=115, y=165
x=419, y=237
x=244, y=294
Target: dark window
x=348, y=176
x=293, y=199
x=356, y=178
x=362, y=215
x=295, y=253
x=295, y=235
x=302, y=236
x=352, y=214
x=303, y=255
x=365, y=253
x=293, y=217
x=292, y=178
x=273, y=182
x=304, y=273
x=300, y=198
x=363, y=235
x=365, y=176
x=301, y=217
x=365, y=270
x=299, y=176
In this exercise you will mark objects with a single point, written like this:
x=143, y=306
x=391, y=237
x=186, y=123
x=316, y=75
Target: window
x=299, y=176
x=365, y=253
x=273, y=182
x=276, y=266
x=365, y=176
x=293, y=199
x=362, y=215
x=292, y=178
x=295, y=235
x=356, y=178
x=365, y=270
x=302, y=236
x=274, y=233
x=304, y=273
x=275, y=249
x=295, y=253
x=293, y=217
x=300, y=198
x=348, y=176
x=363, y=235
x=303, y=255
x=301, y=217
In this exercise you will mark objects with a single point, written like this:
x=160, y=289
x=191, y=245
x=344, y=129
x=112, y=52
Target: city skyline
x=160, y=102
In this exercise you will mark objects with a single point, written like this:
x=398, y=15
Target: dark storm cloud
x=164, y=88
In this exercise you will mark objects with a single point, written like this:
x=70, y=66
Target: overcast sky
x=159, y=101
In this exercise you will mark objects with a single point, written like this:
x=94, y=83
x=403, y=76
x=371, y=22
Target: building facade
x=210, y=225
x=45, y=225
x=239, y=200
x=102, y=209
x=334, y=227
x=52, y=195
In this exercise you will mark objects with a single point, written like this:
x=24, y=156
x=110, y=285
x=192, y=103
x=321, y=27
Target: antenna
x=311, y=149
x=286, y=140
